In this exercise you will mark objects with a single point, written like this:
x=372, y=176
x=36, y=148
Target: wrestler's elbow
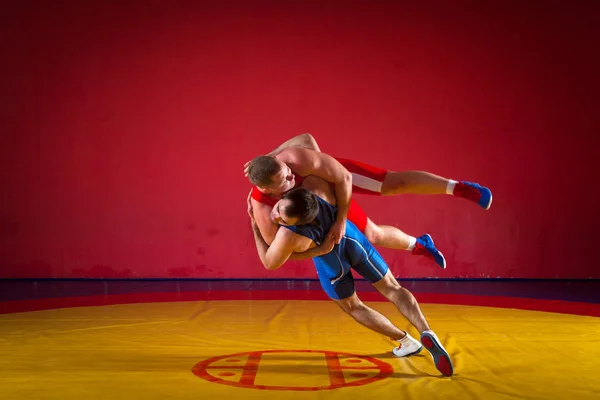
x=271, y=266
x=269, y=239
x=268, y=231
x=271, y=263
x=347, y=178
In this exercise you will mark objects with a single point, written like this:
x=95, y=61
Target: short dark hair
x=303, y=205
x=262, y=169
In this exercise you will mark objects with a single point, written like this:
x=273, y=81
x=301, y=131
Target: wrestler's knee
x=388, y=285
x=373, y=232
x=394, y=183
x=350, y=304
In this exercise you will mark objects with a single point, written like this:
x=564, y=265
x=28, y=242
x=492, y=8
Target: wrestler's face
x=279, y=216
x=283, y=181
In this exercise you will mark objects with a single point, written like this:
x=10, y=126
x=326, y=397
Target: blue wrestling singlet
x=354, y=251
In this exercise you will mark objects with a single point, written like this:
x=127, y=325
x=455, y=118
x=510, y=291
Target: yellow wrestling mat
x=290, y=350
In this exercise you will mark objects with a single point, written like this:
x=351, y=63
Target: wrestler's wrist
x=340, y=219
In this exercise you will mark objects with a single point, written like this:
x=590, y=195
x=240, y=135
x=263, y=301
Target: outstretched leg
x=388, y=236
x=373, y=180
x=403, y=300
x=409, y=308
x=393, y=238
x=421, y=182
x=379, y=323
x=413, y=182
x=337, y=281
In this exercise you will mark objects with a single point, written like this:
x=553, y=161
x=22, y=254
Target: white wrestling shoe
x=409, y=346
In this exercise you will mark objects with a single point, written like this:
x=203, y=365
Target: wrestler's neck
x=321, y=188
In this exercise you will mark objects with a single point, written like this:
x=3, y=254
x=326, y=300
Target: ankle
x=450, y=186
x=406, y=338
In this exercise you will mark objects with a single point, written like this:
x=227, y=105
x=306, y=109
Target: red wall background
x=125, y=128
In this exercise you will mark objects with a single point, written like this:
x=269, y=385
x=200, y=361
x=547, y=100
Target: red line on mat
x=336, y=376
x=250, y=369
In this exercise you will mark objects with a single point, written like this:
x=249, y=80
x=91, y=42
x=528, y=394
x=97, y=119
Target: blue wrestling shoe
x=474, y=192
x=425, y=247
x=438, y=352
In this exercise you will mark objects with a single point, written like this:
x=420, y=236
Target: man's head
x=270, y=175
x=298, y=207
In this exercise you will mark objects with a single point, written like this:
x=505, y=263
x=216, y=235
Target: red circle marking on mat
x=332, y=359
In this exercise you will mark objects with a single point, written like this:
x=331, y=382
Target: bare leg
x=413, y=182
x=388, y=236
x=408, y=306
x=393, y=238
x=370, y=318
x=403, y=300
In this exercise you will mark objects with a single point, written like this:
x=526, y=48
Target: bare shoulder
x=302, y=161
x=257, y=205
x=296, y=155
x=294, y=241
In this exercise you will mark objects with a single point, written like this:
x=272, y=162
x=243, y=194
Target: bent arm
x=306, y=162
x=268, y=229
x=284, y=245
x=313, y=252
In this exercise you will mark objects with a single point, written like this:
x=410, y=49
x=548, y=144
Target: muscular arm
x=305, y=140
x=313, y=252
x=268, y=230
x=306, y=162
x=284, y=245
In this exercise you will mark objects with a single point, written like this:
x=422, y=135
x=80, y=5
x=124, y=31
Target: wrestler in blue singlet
x=353, y=251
